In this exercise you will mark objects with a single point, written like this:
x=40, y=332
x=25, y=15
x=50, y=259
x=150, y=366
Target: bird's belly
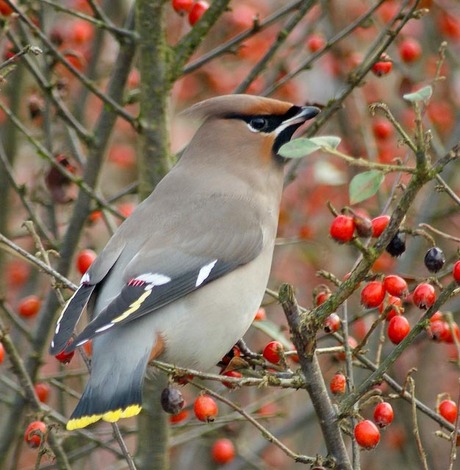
x=199, y=333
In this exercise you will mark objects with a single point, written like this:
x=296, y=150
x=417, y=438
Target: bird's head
x=246, y=126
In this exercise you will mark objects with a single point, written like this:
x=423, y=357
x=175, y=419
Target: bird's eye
x=258, y=124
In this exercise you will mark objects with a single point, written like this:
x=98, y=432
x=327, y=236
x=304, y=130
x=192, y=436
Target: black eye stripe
x=266, y=122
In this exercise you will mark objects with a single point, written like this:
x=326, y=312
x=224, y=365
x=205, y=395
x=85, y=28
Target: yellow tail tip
x=111, y=416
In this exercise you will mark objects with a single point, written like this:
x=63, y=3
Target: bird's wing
x=181, y=259
x=74, y=307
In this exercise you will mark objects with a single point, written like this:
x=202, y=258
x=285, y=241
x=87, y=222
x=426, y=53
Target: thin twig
x=415, y=427
x=11, y=247
x=265, y=432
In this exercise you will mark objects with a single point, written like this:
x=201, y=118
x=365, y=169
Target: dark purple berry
x=397, y=246
x=171, y=400
x=434, y=259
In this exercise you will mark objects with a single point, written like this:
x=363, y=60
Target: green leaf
x=424, y=94
x=298, y=148
x=302, y=147
x=326, y=141
x=364, y=185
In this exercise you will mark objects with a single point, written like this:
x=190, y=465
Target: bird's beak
x=289, y=126
x=305, y=113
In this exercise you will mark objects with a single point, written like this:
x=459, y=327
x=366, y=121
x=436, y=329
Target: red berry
x=394, y=306
x=65, y=357
x=379, y=224
x=81, y=31
x=261, y=314
x=42, y=390
x=273, y=352
x=315, y=42
x=35, y=433
x=456, y=272
x=372, y=294
x=424, y=296
x=179, y=417
x=410, y=50
x=321, y=297
x=84, y=260
x=382, y=129
x=232, y=373
x=126, y=209
x=396, y=285
x=342, y=228
x=398, y=329
x=17, y=273
x=5, y=9
x=383, y=414
x=439, y=330
x=338, y=384
x=205, y=408
x=332, y=323
x=383, y=66
x=182, y=6
x=29, y=306
x=436, y=316
x=448, y=410
x=367, y=434
x=449, y=338
x=223, y=451
x=197, y=11
x=2, y=353
x=449, y=25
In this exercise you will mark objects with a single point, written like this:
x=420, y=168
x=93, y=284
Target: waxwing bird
x=182, y=277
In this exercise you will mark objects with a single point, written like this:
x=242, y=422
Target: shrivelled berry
x=172, y=400
x=434, y=259
x=363, y=225
x=397, y=245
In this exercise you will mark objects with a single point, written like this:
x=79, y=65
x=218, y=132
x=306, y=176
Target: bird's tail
x=114, y=389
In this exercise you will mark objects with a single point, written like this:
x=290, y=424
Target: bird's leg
x=245, y=351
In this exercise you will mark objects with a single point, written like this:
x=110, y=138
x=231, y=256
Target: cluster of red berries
x=194, y=9
x=374, y=294
x=343, y=227
x=367, y=433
